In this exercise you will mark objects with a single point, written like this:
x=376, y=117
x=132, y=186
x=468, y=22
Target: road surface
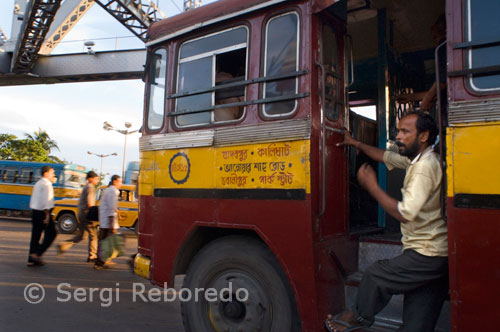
x=76, y=297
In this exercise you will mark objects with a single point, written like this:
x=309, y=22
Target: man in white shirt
x=41, y=204
x=108, y=212
x=421, y=271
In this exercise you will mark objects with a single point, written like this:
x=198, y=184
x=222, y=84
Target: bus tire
x=231, y=265
x=66, y=223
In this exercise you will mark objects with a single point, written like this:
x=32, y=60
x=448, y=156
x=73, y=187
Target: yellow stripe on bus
x=473, y=159
x=14, y=189
x=279, y=165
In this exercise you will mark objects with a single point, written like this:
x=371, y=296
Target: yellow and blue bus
x=17, y=179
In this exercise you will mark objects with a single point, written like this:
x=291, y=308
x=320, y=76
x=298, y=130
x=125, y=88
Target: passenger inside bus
x=230, y=68
x=428, y=98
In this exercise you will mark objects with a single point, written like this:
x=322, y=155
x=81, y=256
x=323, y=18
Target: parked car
x=66, y=210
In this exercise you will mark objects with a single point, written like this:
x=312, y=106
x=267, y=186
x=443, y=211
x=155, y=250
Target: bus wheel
x=66, y=223
x=236, y=284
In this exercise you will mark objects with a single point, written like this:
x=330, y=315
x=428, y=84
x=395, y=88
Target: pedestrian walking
x=108, y=216
x=41, y=205
x=86, y=228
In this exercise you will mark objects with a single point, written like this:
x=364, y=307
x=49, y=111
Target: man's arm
x=45, y=193
x=430, y=96
x=373, y=152
x=90, y=196
x=368, y=180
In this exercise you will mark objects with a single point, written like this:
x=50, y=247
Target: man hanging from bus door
x=41, y=204
x=421, y=271
x=86, y=227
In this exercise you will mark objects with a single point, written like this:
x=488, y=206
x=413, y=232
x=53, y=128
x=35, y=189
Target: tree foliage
x=44, y=139
x=28, y=149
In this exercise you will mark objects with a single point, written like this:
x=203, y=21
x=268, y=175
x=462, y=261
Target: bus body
x=473, y=180
x=17, y=179
x=241, y=181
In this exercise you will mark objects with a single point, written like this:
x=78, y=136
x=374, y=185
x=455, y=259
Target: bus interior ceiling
x=406, y=65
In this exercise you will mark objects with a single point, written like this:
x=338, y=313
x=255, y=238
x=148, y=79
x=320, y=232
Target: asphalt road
x=77, y=297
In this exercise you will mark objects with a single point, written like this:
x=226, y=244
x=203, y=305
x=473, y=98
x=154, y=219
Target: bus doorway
x=393, y=54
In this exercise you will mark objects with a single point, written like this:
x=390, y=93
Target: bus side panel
x=283, y=224
x=260, y=187
x=474, y=225
x=474, y=267
x=13, y=201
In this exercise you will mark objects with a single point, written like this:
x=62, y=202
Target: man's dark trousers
x=49, y=230
x=422, y=279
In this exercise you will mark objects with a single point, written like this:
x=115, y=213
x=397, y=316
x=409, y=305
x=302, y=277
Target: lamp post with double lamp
x=102, y=156
x=126, y=132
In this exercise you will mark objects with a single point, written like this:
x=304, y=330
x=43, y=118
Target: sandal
x=336, y=320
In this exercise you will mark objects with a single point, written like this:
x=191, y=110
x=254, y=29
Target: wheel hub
x=252, y=313
x=234, y=310
x=66, y=224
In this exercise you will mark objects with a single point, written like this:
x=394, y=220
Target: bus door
x=333, y=175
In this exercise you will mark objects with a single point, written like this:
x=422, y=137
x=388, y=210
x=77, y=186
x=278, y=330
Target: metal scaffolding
x=135, y=15
x=37, y=20
x=67, y=16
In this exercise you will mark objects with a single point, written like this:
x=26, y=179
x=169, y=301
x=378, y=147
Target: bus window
x=37, y=175
x=26, y=176
x=332, y=76
x=10, y=175
x=483, y=28
x=157, y=80
x=216, y=59
x=74, y=179
x=125, y=195
x=281, y=57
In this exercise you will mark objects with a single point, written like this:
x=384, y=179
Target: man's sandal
x=336, y=320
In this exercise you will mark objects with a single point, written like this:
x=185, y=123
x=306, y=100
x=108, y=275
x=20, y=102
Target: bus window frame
x=467, y=33
x=37, y=174
x=15, y=177
x=29, y=169
x=148, y=89
x=268, y=19
x=339, y=101
x=213, y=55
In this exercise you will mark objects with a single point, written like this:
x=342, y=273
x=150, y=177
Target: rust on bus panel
x=280, y=165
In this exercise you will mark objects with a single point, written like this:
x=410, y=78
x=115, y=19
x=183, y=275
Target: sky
x=73, y=113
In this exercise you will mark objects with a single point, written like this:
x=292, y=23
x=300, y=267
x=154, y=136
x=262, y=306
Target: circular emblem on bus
x=179, y=168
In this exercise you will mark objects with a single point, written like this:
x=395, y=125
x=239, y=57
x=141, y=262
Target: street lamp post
x=102, y=156
x=126, y=132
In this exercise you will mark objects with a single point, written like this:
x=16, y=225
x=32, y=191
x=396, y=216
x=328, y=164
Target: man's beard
x=408, y=151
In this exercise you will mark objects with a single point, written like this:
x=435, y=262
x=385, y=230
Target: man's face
x=407, y=138
x=50, y=175
x=117, y=183
x=94, y=180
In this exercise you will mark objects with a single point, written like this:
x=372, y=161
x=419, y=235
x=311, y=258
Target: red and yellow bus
x=241, y=183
